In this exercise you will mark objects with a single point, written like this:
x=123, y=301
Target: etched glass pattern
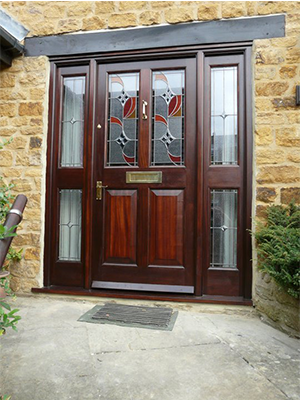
x=224, y=117
x=122, y=149
x=73, y=122
x=223, y=228
x=70, y=225
x=168, y=118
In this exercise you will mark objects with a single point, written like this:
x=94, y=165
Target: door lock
x=99, y=188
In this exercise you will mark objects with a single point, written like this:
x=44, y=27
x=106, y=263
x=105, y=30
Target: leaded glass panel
x=224, y=117
x=223, y=228
x=168, y=118
x=70, y=225
x=72, y=122
x=122, y=146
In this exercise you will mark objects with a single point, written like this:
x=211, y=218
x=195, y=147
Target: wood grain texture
x=120, y=226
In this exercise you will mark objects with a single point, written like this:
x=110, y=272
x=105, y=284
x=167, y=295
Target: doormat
x=159, y=318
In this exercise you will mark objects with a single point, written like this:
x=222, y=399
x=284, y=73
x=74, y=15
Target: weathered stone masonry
x=276, y=71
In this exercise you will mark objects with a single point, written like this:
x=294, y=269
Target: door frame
x=91, y=61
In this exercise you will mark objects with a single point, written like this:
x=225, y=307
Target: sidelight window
x=223, y=228
x=72, y=122
x=70, y=225
x=224, y=115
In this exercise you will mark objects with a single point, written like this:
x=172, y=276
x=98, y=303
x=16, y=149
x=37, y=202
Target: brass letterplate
x=144, y=177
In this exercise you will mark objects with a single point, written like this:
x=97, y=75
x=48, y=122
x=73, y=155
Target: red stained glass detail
x=117, y=79
x=115, y=120
x=175, y=159
x=175, y=105
x=161, y=77
x=160, y=118
x=129, y=160
x=129, y=107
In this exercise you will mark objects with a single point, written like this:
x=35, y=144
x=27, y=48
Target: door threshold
x=119, y=294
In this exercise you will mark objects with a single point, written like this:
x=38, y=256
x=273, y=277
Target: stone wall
x=24, y=99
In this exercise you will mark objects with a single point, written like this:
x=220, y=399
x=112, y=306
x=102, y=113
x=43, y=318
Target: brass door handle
x=144, y=110
x=99, y=188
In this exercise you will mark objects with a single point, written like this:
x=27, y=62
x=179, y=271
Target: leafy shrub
x=278, y=246
x=8, y=317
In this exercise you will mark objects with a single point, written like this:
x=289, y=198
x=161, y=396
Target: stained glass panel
x=168, y=118
x=70, y=225
x=224, y=117
x=72, y=122
x=223, y=228
x=122, y=149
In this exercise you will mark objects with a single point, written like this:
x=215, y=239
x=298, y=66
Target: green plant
x=278, y=246
x=5, y=397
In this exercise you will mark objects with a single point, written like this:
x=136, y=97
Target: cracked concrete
x=213, y=353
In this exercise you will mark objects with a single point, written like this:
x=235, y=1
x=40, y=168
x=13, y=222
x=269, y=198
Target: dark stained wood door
x=145, y=129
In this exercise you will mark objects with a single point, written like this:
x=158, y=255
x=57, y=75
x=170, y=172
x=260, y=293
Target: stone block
x=6, y=159
x=263, y=135
x=209, y=11
x=293, y=56
x=265, y=72
x=69, y=25
x=261, y=211
x=288, y=71
x=290, y=194
x=278, y=174
x=22, y=186
x=11, y=172
x=272, y=7
x=150, y=18
x=33, y=79
x=7, y=131
x=35, y=142
x=36, y=121
x=105, y=7
x=294, y=156
x=122, y=20
x=233, y=9
x=266, y=194
x=11, y=94
x=263, y=104
x=93, y=23
x=269, y=156
x=293, y=117
x=284, y=102
x=31, y=109
x=7, y=80
x=79, y=9
x=251, y=7
x=288, y=137
x=269, y=55
x=19, y=121
x=17, y=143
x=177, y=15
x=163, y=4
x=8, y=110
x=132, y=5
x=270, y=118
x=55, y=10
x=37, y=94
x=271, y=88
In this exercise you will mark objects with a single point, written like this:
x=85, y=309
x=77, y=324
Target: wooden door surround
x=208, y=184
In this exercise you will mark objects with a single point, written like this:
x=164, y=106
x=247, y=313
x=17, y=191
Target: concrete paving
x=213, y=353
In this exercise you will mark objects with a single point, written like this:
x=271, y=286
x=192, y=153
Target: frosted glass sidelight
x=70, y=225
x=168, y=117
x=73, y=122
x=224, y=115
x=123, y=101
x=223, y=228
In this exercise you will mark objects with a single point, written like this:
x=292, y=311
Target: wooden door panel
x=166, y=227
x=120, y=227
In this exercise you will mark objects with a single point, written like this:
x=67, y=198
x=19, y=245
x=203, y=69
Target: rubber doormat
x=160, y=318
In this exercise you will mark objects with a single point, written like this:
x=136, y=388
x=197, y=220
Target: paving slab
x=212, y=353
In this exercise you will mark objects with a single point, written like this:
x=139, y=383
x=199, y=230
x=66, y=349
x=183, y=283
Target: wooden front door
x=168, y=143
x=145, y=160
